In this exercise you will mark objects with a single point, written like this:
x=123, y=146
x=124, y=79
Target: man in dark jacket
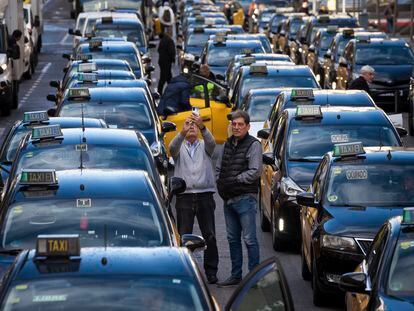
x=176, y=95
x=166, y=51
x=239, y=170
x=367, y=74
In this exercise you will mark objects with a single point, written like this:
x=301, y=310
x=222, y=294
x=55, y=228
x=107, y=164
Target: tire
x=264, y=222
x=278, y=243
x=306, y=274
x=15, y=95
x=318, y=296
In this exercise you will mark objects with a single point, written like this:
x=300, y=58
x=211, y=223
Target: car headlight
x=156, y=148
x=4, y=67
x=339, y=243
x=289, y=187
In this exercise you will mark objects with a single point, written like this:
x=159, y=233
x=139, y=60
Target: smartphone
x=196, y=111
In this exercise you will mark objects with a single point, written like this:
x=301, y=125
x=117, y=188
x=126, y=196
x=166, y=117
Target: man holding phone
x=193, y=163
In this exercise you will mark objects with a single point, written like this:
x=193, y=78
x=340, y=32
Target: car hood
x=302, y=172
x=390, y=75
x=362, y=222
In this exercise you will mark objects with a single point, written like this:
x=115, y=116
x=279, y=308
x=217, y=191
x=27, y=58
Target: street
x=32, y=97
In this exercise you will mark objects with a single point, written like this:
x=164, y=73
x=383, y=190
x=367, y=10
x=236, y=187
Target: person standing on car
x=238, y=171
x=166, y=54
x=193, y=163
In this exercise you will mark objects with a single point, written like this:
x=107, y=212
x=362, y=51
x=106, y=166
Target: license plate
x=386, y=94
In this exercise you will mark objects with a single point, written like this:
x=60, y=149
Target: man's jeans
x=240, y=216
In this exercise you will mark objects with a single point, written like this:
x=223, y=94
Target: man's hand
x=198, y=120
x=186, y=126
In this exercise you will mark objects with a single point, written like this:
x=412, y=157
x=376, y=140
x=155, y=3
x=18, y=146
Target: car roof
x=149, y=261
x=101, y=61
x=110, y=83
x=68, y=122
x=284, y=69
x=384, y=156
x=268, y=91
x=97, y=184
x=119, y=94
x=110, y=73
x=121, y=21
x=382, y=42
x=109, y=46
x=236, y=43
x=264, y=56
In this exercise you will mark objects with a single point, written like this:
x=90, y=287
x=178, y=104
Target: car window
x=375, y=253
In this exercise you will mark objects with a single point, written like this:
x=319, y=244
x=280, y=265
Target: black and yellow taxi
x=294, y=148
x=393, y=61
x=32, y=119
x=104, y=206
x=302, y=43
x=332, y=55
x=384, y=277
x=219, y=52
x=63, y=272
x=259, y=75
x=319, y=46
x=353, y=192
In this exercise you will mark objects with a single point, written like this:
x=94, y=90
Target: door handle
x=206, y=118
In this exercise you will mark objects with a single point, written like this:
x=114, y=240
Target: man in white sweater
x=193, y=163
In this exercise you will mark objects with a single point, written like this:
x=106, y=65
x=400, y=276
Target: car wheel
x=264, y=222
x=278, y=243
x=306, y=274
x=317, y=293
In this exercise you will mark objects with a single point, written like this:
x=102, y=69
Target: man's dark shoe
x=231, y=281
x=212, y=279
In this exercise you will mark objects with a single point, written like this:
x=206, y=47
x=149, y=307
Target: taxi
x=293, y=150
x=384, y=277
x=31, y=119
x=316, y=51
x=311, y=27
x=248, y=37
x=248, y=58
x=353, y=192
x=288, y=32
x=105, y=207
x=62, y=272
x=131, y=30
x=332, y=55
x=218, y=53
x=116, y=50
x=259, y=75
x=393, y=61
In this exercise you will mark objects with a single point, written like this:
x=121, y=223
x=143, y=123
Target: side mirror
x=268, y=158
x=71, y=31
x=150, y=68
x=311, y=48
x=179, y=46
x=306, y=199
x=55, y=84
x=152, y=45
x=327, y=55
x=169, y=110
x=168, y=127
x=51, y=98
x=355, y=282
x=146, y=59
x=67, y=56
x=264, y=133
x=36, y=22
x=193, y=242
x=156, y=95
x=176, y=185
x=342, y=62
x=51, y=112
x=401, y=131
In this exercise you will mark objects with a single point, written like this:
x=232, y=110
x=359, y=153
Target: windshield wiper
x=315, y=159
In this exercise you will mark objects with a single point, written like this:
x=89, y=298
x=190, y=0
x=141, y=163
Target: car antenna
x=83, y=121
x=380, y=138
x=389, y=156
x=105, y=235
x=81, y=153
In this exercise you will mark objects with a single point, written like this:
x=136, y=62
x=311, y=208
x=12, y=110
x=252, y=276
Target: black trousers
x=165, y=76
x=202, y=206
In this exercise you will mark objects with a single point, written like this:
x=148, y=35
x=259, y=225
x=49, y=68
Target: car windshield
x=110, y=222
x=294, y=27
x=371, y=185
x=259, y=107
x=130, y=57
x=197, y=39
x=265, y=16
x=252, y=82
x=400, y=280
x=277, y=20
x=131, y=34
x=14, y=144
x=125, y=115
x=115, y=292
x=81, y=23
x=384, y=55
x=307, y=140
x=221, y=56
x=326, y=41
x=91, y=21
x=341, y=46
x=64, y=157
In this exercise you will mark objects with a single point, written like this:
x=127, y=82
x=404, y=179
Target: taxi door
x=264, y=288
x=198, y=98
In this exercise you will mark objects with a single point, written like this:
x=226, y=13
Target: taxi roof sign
x=95, y=44
x=348, y=32
x=408, y=215
x=87, y=77
x=35, y=116
x=306, y=111
x=79, y=93
x=332, y=28
x=258, y=69
x=58, y=245
x=306, y=94
x=348, y=149
x=48, y=131
x=87, y=67
x=247, y=60
x=84, y=57
x=38, y=177
x=199, y=18
x=247, y=51
x=107, y=20
x=219, y=39
x=198, y=30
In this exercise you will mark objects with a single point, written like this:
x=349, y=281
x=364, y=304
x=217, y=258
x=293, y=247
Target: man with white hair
x=366, y=76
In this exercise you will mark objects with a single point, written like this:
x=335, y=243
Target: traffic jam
x=285, y=119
